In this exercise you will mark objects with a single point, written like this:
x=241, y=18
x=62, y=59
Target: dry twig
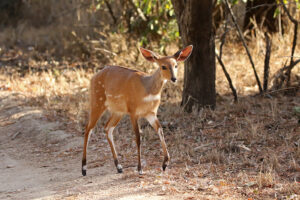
x=267, y=61
x=111, y=12
x=219, y=57
x=245, y=45
x=292, y=63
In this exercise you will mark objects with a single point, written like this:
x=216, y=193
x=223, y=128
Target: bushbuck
x=125, y=91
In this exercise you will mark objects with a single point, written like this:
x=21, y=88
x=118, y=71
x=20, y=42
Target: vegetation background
x=245, y=149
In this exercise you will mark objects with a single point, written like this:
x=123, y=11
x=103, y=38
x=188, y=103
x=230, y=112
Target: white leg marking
x=151, y=119
x=119, y=166
x=110, y=134
x=84, y=167
x=160, y=131
x=141, y=172
x=91, y=132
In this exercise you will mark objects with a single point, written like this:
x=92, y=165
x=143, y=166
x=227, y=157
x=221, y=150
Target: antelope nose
x=173, y=79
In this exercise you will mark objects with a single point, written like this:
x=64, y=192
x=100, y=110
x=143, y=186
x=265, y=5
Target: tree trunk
x=194, y=18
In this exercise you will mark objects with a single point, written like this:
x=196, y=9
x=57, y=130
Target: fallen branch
x=15, y=135
x=282, y=90
x=244, y=147
x=203, y=146
x=281, y=75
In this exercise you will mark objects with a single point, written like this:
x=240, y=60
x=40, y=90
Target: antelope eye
x=175, y=66
x=164, y=67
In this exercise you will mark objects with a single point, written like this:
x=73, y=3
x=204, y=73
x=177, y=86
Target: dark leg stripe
x=83, y=169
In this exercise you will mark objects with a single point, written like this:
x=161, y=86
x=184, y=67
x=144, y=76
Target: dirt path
x=39, y=160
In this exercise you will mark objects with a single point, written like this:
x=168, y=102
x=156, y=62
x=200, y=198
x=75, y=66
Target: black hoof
x=120, y=170
x=83, y=169
x=164, y=167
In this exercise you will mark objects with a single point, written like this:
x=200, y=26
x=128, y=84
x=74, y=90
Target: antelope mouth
x=173, y=80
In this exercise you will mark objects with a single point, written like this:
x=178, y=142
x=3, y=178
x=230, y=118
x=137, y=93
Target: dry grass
x=249, y=149
x=238, y=64
x=58, y=28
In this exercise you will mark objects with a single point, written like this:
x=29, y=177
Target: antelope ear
x=183, y=54
x=149, y=55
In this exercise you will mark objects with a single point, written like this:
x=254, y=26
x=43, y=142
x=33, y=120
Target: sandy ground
x=39, y=160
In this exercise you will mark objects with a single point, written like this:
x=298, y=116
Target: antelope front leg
x=156, y=125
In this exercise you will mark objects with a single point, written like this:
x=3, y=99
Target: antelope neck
x=155, y=82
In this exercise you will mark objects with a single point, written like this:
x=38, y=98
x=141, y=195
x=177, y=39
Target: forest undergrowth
x=249, y=148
